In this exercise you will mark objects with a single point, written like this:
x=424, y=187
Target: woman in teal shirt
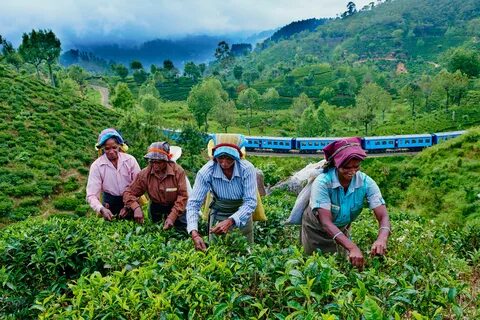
x=337, y=198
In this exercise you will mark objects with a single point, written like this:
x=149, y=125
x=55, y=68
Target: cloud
x=121, y=20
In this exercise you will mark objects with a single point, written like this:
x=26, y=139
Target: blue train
x=409, y=142
x=377, y=144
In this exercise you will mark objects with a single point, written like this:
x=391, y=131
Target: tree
x=10, y=55
x=226, y=114
x=40, y=46
x=140, y=76
x=192, y=141
x=77, y=74
x=120, y=70
x=426, y=86
x=123, y=98
x=136, y=65
x=326, y=94
x=249, y=99
x=369, y=100
x=270, y=97
x=222, y=51
x=300, y=104
x=250, y=76
x=453, y=85
x=148, y=88
x=237, y=72
x=192, y=71
x=313, y=123
x=465, y=60
x=150, y=103
x=202, y=67
x=203, y=98
x=412, y=93
x=168, y=65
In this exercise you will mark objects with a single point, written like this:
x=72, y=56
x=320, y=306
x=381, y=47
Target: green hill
x=403, y=29
x=46, y=145
x=442, y=181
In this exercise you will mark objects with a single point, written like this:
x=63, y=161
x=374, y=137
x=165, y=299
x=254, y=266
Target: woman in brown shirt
x=165, y=183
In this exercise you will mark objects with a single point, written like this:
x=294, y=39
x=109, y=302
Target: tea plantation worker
x=110, y=174
x=165, y=183
x=336, y=200
x=233, y=183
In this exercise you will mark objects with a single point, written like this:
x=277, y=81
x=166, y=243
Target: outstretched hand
x=379, y=248
x=198, y=241
x=138, y=215
x=356, y=258
x=223, y=227
x=106, y=213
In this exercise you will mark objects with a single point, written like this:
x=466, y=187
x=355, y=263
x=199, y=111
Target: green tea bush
x=66, y=203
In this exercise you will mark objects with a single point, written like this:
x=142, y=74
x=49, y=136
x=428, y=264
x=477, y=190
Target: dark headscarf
x=341, y=151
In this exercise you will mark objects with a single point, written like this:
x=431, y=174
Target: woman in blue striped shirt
x=232, y=181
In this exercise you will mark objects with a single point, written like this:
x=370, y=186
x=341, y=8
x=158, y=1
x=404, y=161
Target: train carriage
x=312, y=145
x=444, y=136
x=277, y=144
x=414, y=141
x=378, y=143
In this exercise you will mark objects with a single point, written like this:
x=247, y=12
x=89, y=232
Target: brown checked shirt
x=168, y=189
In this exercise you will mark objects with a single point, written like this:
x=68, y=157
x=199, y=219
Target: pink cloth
x=104, y=177
x=342, y=151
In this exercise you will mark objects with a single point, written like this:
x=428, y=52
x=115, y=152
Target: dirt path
x=105, y=94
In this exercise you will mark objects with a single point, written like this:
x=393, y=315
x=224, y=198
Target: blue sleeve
x=195, y=201
x=374, y=196
x=319, y=196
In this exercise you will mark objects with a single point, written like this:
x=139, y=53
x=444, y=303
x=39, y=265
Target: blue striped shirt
x=243, y=185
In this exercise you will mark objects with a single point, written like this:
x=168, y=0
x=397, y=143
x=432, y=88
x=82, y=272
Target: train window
x=275, y=143
x=303, y=144
x=384, y=142
x=414, y=141
x=281, y=143
x=420, y=140
x=390, y=141
x=316, y=144
x=427, y=140
x=377, y=143
x=310, y=144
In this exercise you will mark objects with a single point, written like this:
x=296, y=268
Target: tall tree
x=40, y=46
x=192, y=71
x=123, y=98
x=10, y=55
x=203, y=98
x=249, y=99
x=300, y=104
x=237, y=72
x=313, y=123
x=120, y=70
x=136, y=65
x=369, y=102
x=226, y=114
x=465, y=60
x=412, y=93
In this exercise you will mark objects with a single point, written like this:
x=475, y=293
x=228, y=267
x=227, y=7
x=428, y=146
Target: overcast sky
x=86, y=21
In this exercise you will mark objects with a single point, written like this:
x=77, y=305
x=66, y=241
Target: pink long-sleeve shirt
x=104, y=177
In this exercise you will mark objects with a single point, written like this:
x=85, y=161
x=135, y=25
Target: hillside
x=47, y=142
x=401, y=29
x=440, y=182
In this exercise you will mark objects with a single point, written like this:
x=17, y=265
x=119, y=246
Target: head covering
x=227, y=144
x=108, y=134
x=159, y=151
x=343, y=150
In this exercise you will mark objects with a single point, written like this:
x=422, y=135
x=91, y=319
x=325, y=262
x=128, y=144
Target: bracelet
x=386, y=228
x=336, y=235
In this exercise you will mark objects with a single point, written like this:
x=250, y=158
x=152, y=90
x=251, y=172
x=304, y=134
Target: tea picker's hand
x=138, y=215
x=106, y=213
x=198, y=241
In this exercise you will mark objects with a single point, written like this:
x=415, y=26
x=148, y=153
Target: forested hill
x=47, y=139
x=296, y=27
x=394, y=29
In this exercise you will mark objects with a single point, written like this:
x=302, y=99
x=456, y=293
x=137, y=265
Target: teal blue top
x=327, y=193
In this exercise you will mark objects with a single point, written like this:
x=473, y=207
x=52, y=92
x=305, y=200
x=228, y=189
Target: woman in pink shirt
x=111, y=174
